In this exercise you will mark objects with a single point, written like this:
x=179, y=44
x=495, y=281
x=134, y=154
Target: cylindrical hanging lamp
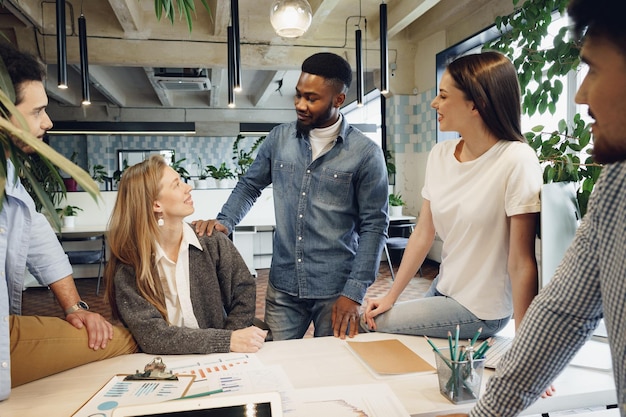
x=61, y=44
x=359, y=69
x=234, y=17
x=84, y=59
x=291, y=18
x=384, y=50
x=231, y=67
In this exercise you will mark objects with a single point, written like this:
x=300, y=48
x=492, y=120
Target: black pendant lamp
x=61, y=44
x=84, y=60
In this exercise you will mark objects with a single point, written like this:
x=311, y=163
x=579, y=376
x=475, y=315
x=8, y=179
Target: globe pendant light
x=291, y=18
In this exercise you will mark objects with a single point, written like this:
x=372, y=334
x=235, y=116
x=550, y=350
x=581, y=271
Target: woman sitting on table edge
x=177, y=293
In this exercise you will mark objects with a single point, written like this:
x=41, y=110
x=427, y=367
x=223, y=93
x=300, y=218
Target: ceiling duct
x=182, y=79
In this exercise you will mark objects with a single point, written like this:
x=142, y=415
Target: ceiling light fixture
x=359, y=69
x=61, y=45
x=231, y=66
x=84, y=60
x=291, y=18
x=234, y=17
x=384, y=50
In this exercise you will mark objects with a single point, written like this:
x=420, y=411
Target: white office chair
x=398, y=242
x=87, y=257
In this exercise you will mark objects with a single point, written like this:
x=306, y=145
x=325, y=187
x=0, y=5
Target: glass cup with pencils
x=460, y=368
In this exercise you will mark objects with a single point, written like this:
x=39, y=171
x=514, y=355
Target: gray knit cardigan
x=223, y=296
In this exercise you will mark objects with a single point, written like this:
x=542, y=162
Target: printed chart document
x=118, y=392
x=390, y=357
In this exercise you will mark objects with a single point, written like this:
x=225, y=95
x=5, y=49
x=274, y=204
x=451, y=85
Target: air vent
x=183, y=79
x=184, y=84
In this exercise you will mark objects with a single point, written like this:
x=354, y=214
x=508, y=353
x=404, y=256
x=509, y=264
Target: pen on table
x=200, y=394
x=475, y=338
x=450, y=346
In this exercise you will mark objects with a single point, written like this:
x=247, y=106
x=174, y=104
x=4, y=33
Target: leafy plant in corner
x=203, y=171
x=242, y=158
x=51, y=159
x=522, y=34
x=222, y=172
x=396, y=200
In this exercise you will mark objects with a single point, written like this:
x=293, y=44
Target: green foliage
x=182, y=171
x=98, y=173
x=391, y=166
x=68, y=211
x=51, y=160
x=526, y=29
x=523, y=33
x=222, y=172
x=396, y=200
x=184, y=7
x=242, y=158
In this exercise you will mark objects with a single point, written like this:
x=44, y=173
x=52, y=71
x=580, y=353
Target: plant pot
x=222, y=183
x=69, y=221
x=70, y=184
x=395, y=211
x=200, y=184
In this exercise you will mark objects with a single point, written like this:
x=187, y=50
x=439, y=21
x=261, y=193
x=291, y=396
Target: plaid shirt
x=590, y=282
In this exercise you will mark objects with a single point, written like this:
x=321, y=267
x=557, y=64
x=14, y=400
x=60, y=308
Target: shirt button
x=303, y=193
x=281, y=165
x=301, y=216
x=5, y=364
x=2, y=230
x=299, y=237
x=335, y=176
x=6, y=318
x=299, y=260
x=308, y=171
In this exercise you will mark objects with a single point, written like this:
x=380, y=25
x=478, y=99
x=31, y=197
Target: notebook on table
x=266, y=404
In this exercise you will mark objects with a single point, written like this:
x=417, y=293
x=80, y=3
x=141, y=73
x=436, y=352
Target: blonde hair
x=133, y=231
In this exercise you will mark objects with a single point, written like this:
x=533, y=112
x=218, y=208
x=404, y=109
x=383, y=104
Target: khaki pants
x=42, y=346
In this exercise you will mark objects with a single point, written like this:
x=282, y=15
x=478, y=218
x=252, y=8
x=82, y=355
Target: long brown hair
x=133, y=231
x=489, y=79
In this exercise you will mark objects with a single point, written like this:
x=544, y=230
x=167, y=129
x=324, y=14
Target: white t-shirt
x=175, y=281
x=471, y=203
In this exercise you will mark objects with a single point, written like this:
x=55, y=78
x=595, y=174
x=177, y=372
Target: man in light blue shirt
x=330, y=201
x=34, y=347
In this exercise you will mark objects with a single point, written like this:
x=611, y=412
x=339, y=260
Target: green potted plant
x=68, y=214
x=395, y=204
x=182, y=171
x=220, y=174
x=203, y=175
x=99, y=174
x=522, y=39
x=242, y=158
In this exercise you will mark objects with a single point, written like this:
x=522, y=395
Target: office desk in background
x=308, y=363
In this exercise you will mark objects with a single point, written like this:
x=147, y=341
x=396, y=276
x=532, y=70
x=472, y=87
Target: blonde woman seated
x=177, y=293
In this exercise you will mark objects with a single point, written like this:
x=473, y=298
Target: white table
x=312, y=362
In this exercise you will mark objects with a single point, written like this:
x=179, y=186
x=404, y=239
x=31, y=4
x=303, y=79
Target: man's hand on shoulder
x=207, y=226
x=99, y=330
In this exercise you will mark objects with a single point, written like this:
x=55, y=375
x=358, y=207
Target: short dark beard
x=303, y=129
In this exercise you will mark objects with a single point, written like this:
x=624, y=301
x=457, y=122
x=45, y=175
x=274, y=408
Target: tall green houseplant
x=522, y=35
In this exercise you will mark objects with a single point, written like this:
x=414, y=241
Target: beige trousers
x=42, y=346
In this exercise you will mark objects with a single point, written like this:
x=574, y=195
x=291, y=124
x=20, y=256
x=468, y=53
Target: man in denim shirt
x=330, y=201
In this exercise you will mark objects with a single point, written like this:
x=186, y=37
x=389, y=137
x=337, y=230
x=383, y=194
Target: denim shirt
x=26, y=240
x=331, y=213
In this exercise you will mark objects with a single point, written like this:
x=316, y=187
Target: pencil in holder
x=459, y=381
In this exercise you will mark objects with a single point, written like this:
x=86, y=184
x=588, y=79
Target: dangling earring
x=160, y=222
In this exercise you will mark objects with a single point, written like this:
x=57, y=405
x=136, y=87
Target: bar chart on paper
x=216, y=366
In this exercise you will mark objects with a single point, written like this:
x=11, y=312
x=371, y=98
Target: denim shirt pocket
x=334, y=187
x=282, y=177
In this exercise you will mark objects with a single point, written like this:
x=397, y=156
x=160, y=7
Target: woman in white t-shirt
x=481, y=196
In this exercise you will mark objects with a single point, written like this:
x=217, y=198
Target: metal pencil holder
x=459, y=381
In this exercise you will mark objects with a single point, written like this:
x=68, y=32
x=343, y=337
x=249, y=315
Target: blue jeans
x=289, y=317
x=434, y=315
